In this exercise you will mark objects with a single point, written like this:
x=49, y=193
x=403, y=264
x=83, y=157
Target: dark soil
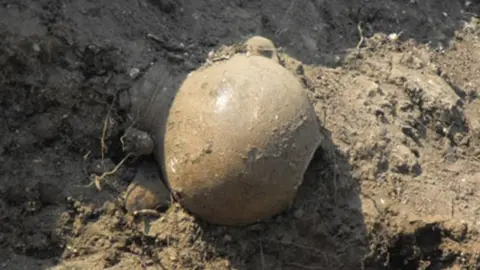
x=394, y=185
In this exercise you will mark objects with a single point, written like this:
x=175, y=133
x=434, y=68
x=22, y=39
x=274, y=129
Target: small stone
x=393, y=37
x=134, y=73
x=36, y=47
x=147, y=191
x=137, y=142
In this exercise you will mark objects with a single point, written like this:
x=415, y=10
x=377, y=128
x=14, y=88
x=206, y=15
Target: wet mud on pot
x=393, y=186
x=235, y=151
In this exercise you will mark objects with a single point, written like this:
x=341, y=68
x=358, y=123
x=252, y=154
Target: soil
x=393, y=186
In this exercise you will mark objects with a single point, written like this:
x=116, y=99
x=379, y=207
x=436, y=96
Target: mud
x=393, y=186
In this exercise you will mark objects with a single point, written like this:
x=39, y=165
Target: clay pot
x=240, y=135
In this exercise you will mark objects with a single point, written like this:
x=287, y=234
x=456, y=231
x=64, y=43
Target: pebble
x=147, y=191
x=134, y=72
x=137, y=142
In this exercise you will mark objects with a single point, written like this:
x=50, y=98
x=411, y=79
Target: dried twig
x=103, y=146
x=362, y=38
x=97, y=180
x=154, y=37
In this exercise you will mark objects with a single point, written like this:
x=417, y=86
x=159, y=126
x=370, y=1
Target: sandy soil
x=394, y=185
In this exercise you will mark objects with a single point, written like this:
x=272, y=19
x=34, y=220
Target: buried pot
x=239, y=136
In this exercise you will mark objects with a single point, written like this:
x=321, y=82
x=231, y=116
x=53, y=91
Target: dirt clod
x=137, y=142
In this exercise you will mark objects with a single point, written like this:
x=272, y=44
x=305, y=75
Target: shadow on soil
x=62, y=65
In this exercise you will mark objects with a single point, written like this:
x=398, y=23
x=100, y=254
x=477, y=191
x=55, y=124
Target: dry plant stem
x=85, y=157
x=360, y=33
x=97, y=179
x=154, y=37
x=104, y=130
x=134, y=122
x=103, y=146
